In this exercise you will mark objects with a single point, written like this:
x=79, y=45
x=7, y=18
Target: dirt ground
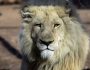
x=10, y=58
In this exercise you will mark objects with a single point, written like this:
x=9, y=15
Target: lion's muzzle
x=47, y=43
x=45, y=48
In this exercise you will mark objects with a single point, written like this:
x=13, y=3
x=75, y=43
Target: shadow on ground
x=10, y=48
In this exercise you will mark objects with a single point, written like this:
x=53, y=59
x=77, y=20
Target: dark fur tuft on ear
x=24, y=8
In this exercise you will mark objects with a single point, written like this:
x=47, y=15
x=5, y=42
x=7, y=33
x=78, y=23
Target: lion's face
x=47, y=31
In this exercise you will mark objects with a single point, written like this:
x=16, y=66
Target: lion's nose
x=46, y=42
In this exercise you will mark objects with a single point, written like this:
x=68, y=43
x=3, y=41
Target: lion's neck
x=44, y=66
x=64, y=64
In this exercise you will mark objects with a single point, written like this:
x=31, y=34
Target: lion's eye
x=39, y=25
x=56, y=25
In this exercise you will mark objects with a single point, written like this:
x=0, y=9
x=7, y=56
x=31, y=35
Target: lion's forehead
x=49, y=11
x=47, y=17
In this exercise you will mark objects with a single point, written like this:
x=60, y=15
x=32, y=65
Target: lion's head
x=44, y=31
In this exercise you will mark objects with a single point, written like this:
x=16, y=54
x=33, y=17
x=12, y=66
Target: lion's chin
x=47, y=54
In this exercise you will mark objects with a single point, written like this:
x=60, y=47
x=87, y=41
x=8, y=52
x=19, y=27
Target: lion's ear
x=26, y=14
x=70, y=8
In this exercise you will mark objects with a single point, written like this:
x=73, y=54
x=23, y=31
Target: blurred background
x=10, y=20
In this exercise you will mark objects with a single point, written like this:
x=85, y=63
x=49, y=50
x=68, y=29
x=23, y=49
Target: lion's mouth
x=47, y=49
x=43, y=47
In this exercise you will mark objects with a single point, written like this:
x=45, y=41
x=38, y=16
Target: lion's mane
x=65, y=59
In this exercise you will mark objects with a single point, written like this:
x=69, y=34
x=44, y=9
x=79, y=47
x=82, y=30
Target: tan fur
x=72, y=46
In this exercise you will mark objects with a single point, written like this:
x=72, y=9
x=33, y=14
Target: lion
x=52, y=39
